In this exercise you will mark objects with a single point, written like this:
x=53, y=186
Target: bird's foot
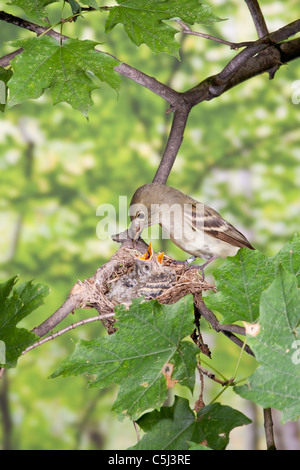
x=188, y=264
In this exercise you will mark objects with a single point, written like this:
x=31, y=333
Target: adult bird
x=193, y=226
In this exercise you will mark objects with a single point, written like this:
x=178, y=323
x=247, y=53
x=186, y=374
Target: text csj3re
x=156, y=459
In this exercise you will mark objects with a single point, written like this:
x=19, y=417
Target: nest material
x=93, y=292
x=184, y=279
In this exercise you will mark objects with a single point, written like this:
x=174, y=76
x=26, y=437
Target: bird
x=149, y=278
x=193, y=226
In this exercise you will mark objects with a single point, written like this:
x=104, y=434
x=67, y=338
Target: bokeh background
x=240, y=154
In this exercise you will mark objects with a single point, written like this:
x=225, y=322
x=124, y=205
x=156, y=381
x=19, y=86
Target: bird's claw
x=188, y=265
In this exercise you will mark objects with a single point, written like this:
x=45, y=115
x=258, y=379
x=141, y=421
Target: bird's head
x=143, y=209
x=149, y=264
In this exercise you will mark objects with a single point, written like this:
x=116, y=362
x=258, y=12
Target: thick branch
x=210, y=88
x=253, y=60
x=62, y=312
x=173, y=145
x=146, y=81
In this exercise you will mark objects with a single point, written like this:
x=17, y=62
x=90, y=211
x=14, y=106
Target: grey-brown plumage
x=192, y=226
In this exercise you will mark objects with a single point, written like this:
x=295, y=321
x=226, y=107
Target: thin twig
x=199, y=404
x=232, y=45
x=214, y=322
x=68, y=328
x=212, y=376
x=268, y=425
x=136, y=430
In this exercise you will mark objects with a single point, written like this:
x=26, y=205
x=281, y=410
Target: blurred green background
x=240, y=155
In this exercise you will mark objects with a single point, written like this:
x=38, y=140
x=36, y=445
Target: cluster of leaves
x=71, y=69
x=151, y=350
x=16, y=303
x=253, y=288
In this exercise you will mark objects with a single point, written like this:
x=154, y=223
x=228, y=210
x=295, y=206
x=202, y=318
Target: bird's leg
x=201, y=268
x=195, y=266
x=187, y=262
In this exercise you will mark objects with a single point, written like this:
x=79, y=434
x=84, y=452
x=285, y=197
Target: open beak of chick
x=151, y=256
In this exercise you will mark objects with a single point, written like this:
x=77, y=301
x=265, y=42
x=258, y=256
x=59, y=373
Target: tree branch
x=255, y=59
x=227, y=330
x=68, y=328
x=252, y=61
x=35, y=28
x=262, y=30
x=174, y=142
x=233, y=45
x=62, y=312
x=268, y=425
x=146, y=81
x=124, y=69
x=258, y=18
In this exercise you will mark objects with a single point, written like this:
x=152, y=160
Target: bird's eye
x=141, y=215
x=147, y=267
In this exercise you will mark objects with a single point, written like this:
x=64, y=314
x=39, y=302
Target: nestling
x=149, y=278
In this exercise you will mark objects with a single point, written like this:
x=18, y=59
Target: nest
x=94, y=292
x=184, y=281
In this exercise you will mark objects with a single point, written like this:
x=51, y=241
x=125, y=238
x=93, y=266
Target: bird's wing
x=215, y=226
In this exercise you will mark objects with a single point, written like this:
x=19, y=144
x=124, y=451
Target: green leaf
x=91, y=3
x=35, y=9
x=143, y=21
x=149, y=336
x=76, y=8
x=5, y=75
x=289, y=256
x=242, y=279
x=240, y=282
x=174, y=427
x=16, y=302
x=66, y=69
x=276, y=382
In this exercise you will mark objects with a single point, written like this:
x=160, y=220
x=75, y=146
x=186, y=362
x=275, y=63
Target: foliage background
x=240, y=155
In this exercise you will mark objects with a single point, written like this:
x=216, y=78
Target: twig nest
x=153, y=277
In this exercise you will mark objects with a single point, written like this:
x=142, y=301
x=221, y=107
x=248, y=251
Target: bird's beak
x=150, y=255
x=134, y=229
